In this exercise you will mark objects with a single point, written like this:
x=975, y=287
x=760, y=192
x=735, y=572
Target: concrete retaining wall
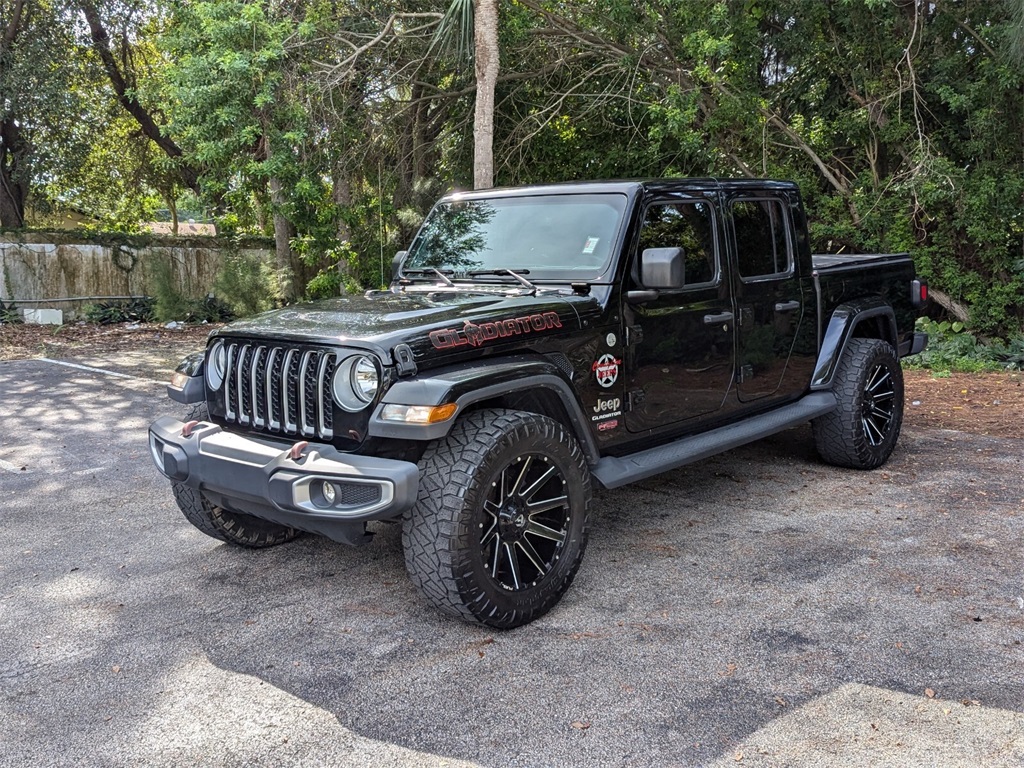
x=35, y=271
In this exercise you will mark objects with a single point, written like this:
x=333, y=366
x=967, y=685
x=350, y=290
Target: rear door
x=680, y=345
x=770, y=306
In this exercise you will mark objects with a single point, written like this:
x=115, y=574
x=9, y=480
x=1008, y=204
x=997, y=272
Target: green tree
x=233, y=101
x=44, y=78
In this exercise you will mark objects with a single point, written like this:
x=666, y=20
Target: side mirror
x=662, y=268
x=396, y=264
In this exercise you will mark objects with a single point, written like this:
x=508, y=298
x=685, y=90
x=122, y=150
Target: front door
x=680, y=345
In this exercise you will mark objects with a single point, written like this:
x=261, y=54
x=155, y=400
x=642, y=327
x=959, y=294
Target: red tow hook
x=186, y=431
x=295, y=452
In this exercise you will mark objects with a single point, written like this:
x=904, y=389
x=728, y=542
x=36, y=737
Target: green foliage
x=951, y=347
x=9, y=314
x=171, y=304
x=902, y=122
x=1010, y=355
x=246, y=283
x=140, y=310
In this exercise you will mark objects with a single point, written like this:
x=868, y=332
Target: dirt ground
x=984, y=403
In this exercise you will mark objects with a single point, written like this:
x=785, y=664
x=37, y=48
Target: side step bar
x=616, y=471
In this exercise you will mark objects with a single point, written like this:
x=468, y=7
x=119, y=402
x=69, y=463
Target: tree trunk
x=13, y=147
x=343, y=199
x=485, y=33
x=13, y=181
x=283, y=231
x=951, y=305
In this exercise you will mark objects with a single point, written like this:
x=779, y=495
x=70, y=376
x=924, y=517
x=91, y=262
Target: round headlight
x=365, y=379
x=355, y=382
x=216, y=365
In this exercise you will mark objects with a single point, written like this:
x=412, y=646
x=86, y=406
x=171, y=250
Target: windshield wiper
x=431, y=271
x=502, y=271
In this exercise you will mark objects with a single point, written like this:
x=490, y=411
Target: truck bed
x=827, y=262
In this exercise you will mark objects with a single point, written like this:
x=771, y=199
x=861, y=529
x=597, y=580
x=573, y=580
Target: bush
x=951, y=347
x=170, y=304
x=9, y=314
x=141, y=310
x=246, y=283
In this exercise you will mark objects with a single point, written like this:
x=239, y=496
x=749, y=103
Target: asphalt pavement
x=759, y=608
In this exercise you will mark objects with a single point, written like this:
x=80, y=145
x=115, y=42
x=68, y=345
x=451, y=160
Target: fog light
x=329, y=493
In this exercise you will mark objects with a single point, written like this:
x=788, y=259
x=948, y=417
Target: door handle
x=787, y=306
x=723, y=317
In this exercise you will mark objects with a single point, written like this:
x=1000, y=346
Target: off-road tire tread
x=435, y=534
x=839, y=435
x=228, y=526
x=197, y=411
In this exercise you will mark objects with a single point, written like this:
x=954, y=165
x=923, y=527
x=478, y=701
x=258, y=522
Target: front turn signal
x=418, y=414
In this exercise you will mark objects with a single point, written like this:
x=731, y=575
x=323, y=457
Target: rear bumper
x=259, y=477
x=914, y=345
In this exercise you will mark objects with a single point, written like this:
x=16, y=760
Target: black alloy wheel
x=500, y=524
x=862, y=431
x=878, y=408
x=526, y=522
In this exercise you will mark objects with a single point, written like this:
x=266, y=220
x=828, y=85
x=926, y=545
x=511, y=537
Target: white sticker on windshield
x=591, y=244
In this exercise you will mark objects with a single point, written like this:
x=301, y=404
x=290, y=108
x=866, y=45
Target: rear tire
x=862, y=432
x=500, y=525
x=233, y=527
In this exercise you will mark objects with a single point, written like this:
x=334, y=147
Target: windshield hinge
x=404, y=360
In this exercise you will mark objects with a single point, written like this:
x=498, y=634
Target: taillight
x=918, y=293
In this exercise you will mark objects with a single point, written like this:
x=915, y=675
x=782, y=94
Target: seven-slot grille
x=279, y=389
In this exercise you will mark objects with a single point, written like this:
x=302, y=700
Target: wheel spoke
x=874, y=434
x=513, y=565
x=881, y=413
x=538, y=529
x=876, y=381
x=532, y=556
x=530, y=492
x=497, y=555
x=519, y=480
x=543, y=506
x=502, y=494
x=489, y=533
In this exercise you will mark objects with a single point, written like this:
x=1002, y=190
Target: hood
x=439, y=320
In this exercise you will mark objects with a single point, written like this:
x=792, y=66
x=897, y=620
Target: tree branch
x=126, y=96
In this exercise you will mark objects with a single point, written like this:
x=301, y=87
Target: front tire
x=500, y=526
x=862, y=432
x=232, y=527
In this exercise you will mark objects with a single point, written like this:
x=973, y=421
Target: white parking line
x=103, y=371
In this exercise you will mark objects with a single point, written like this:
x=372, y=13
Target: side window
x=762, y=247
x=689, y=226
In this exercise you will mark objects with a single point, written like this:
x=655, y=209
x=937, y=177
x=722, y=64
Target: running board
x=616, y=471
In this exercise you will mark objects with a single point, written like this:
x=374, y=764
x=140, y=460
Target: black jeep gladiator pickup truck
x=533, y=342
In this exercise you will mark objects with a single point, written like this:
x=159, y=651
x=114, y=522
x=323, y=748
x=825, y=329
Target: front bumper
x=260, y=478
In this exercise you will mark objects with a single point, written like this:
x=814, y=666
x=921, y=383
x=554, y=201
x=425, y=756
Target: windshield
x=554, y=236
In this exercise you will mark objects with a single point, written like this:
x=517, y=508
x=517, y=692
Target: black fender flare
x=841, y=325
x=474, y=382
x=193, y=388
